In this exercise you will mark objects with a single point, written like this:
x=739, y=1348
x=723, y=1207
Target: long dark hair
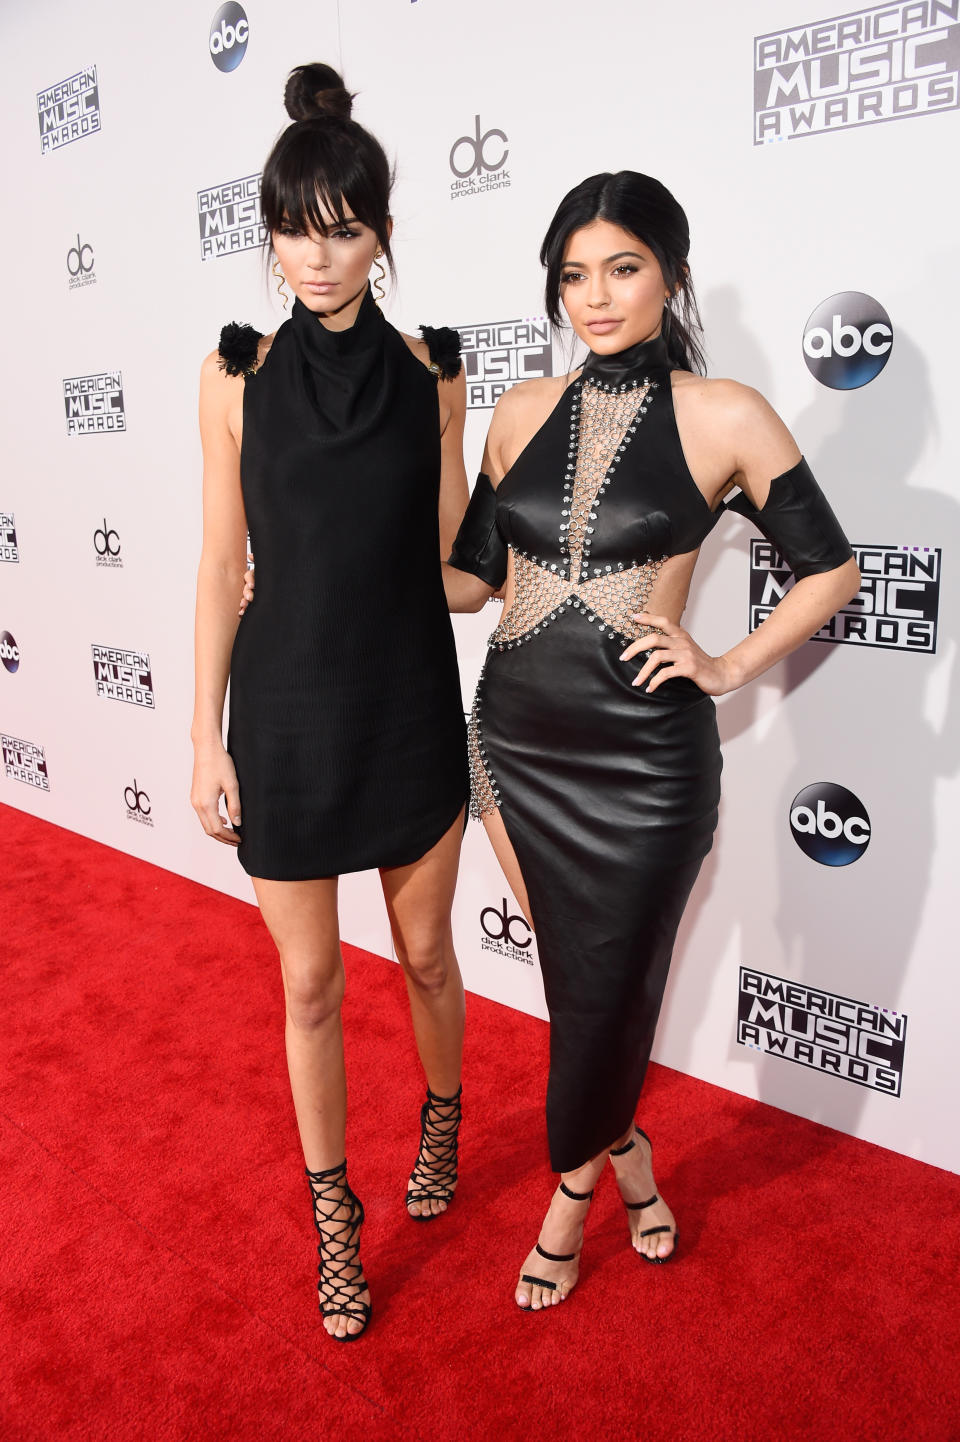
x=325, y=161
x=646, y=208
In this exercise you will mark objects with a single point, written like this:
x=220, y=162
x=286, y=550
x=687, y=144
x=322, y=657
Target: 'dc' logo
x=77, y=259
x=830, y=824
x=136, y=799
x=498, y=925
x=229, y=34
x=479, y=160
x=847, y=340
x=106, y=542
x=9, y=652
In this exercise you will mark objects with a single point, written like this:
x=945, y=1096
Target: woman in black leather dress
x=594, y=751
x=338, y=442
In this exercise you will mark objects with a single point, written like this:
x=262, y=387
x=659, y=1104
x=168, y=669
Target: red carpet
x=157, y=1253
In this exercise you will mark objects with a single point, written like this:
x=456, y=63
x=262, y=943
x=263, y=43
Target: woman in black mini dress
x=594, y=751
x=338, y=442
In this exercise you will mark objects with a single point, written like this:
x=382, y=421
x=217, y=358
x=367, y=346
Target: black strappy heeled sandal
x=439, y=1126
x=640, y=1206
x=341, y=1278
x=554, y=1256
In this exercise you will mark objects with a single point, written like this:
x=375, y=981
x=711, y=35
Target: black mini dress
x=608, y=794
x=346, y=717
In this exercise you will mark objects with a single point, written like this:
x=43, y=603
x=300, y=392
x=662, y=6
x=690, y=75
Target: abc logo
x=228, y=36
x=847, y=340
x=499, y=926
x=79, y=259
x=829, y=824
x=136, y=799
x=9, y=652
x=475, y=146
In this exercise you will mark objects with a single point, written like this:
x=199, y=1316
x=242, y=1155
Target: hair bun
x=316, y=90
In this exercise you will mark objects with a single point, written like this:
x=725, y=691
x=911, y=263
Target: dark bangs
x=326, y=168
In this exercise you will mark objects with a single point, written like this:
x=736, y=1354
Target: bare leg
x=562, y=1230
x=507, y=857
x=561, y=1234
x=635, y=1179
x=302, y=919
x=419, y=898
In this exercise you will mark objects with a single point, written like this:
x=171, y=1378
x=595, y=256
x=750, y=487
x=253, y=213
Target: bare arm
x=219, y=584
x=453, y=476
x=747, y=436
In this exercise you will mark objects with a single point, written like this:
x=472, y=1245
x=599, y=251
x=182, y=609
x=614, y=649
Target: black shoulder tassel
x=238, y=349
x=443, y=344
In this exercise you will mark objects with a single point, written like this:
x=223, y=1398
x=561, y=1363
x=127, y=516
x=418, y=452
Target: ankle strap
x=445, y=1101
x=575, y=1196
x=330, y=1172
x=628, y=1146
x=553, y=1256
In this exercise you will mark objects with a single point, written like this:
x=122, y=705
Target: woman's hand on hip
x=674, y=652
x=214, y=776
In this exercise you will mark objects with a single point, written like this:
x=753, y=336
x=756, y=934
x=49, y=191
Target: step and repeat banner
x=811, y=148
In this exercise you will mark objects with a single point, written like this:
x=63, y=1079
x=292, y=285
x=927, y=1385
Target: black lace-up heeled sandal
x=554, y=1256
x=338, y=1217
x=641, y=1206
x=434, y=1178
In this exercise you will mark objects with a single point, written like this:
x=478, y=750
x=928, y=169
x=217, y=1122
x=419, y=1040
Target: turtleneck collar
x=319, y=341
x=343, y=369
x=629, y=364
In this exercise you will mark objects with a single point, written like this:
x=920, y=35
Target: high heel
x=341, y=1279
x=439, y=1125
x=641, y=1206
x=555, y=1256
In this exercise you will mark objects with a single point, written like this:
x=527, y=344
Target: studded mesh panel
x=603, y=420
x=484, y=793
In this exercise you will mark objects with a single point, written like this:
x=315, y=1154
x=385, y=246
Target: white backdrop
x=103, y=256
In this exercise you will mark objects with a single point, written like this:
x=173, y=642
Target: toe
x=522, y=1297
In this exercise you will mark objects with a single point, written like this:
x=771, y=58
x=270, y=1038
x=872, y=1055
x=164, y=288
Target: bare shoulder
x=215, y=377
x=528, y=402
x=723, y=406
x=518, y=415
x=717, y=394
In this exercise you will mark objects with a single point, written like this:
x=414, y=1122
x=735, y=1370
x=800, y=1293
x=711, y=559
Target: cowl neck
x=343, y=369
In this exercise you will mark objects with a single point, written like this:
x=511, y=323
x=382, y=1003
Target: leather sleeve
x=479, y=548
x=797, y=519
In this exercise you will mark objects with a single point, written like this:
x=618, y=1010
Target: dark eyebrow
x=347, y=220
x=610, y=258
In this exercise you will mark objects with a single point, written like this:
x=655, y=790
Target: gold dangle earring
x=280, y=280
x=379, y=293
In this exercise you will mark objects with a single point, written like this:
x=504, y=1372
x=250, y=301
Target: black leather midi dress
x=608, y=794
